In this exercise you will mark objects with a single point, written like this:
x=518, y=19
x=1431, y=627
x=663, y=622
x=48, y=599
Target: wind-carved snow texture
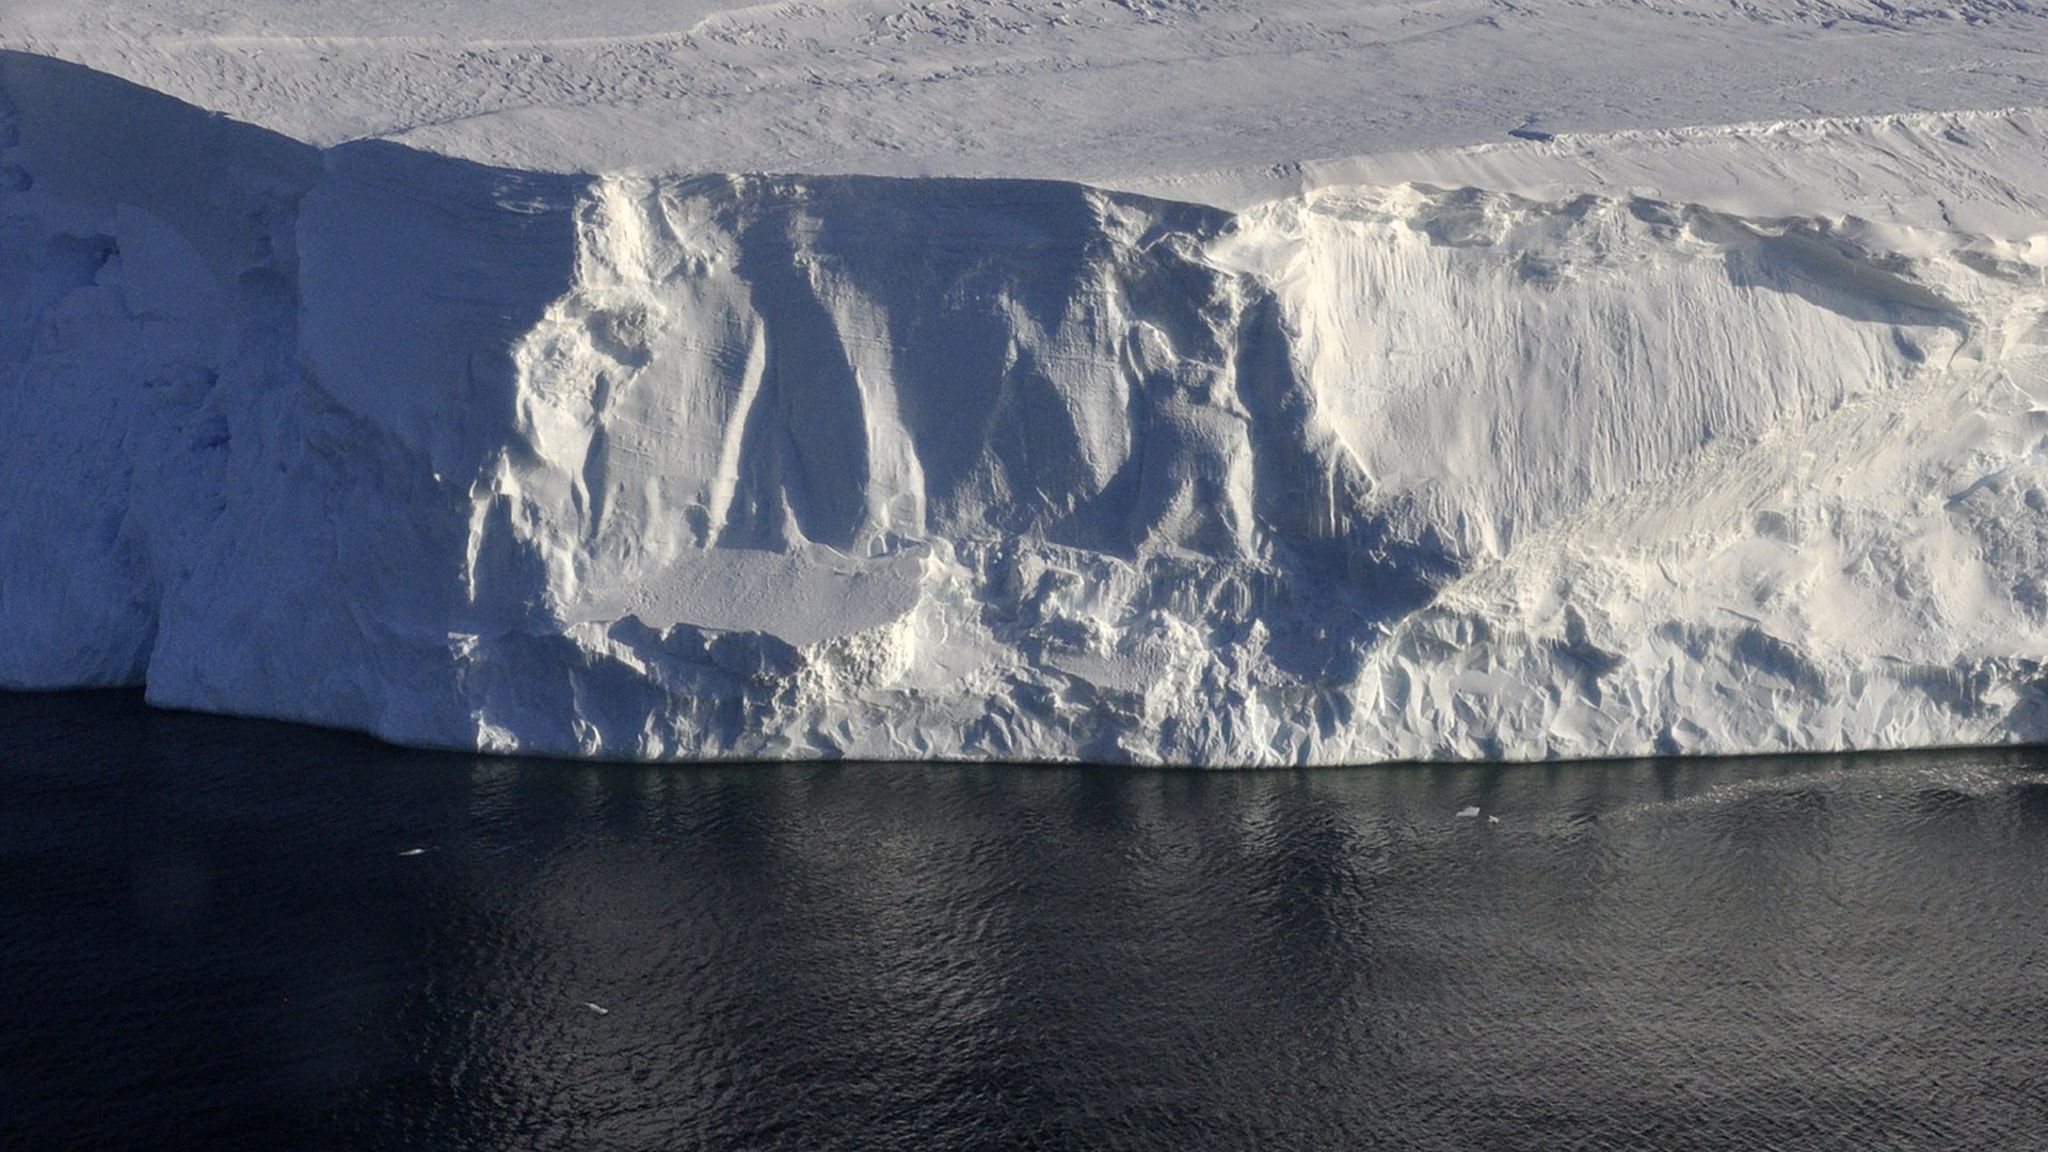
x=660, y=466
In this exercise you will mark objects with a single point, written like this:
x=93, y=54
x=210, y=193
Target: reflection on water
x=211, y=935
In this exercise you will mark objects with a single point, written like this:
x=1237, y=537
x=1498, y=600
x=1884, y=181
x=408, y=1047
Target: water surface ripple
x=226, y=934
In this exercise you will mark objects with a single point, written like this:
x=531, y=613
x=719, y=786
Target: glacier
x=1722, y=439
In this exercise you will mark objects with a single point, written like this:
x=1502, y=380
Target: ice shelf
x=1652, y=440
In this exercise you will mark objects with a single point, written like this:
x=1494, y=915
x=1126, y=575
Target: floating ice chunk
x=1468, y=813
x=1493, y=819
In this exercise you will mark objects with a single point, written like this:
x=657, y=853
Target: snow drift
x=665, y=466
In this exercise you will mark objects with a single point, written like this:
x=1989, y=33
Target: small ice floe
x=1493, y=819
x=600, y=1009
x=413, y=852
x=1471, y=813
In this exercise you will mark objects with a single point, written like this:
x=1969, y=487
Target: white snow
x=1103, y=91
x=1257, y=400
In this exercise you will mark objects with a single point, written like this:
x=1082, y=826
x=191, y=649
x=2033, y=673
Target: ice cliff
x=668, y=466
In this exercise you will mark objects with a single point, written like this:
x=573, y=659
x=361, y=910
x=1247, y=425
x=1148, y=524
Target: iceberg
x=1686, y=440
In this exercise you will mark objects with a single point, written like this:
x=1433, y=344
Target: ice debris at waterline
x=1589, y=458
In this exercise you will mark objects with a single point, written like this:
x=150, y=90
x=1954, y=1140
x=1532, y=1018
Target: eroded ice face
x=1561, y=442
x=661, y=465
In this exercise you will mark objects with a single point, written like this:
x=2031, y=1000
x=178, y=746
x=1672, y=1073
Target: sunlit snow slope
x=1704, y=440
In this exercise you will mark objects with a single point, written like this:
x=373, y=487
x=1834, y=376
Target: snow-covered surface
x=1105, y=91
x=1258, y=399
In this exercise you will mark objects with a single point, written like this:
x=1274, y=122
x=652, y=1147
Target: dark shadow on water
x=231, y=934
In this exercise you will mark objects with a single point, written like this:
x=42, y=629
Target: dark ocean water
x=211, y=937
